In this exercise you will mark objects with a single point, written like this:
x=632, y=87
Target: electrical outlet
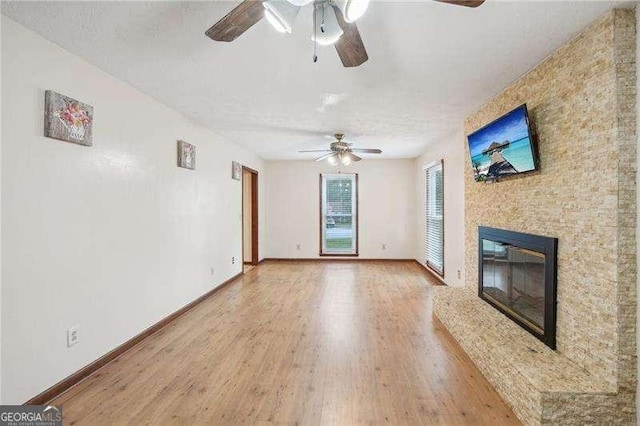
x=384, y=247
x=233, y=260
x=212, y=271
x=73, y=335
x=297, y=246
x=459, y=275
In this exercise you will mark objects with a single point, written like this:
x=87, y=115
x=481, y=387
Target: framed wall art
x=236, y=170
x=186, y=155
x=67, y=119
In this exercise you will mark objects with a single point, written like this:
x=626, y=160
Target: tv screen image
x=503, y=147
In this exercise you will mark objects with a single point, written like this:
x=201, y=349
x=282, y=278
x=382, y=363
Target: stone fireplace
x=517, y=276
x=582, y=105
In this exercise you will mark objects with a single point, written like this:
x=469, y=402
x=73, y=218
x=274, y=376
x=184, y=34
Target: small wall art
x=236, y=170
x=186, y=155
x=67, y=119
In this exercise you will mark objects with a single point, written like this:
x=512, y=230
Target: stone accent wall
x=624, y=42
x=582, y=102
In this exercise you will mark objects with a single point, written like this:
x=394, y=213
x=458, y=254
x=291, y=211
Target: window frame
x=427, y=264
x=356, y=217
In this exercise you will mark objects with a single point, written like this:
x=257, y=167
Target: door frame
x=254, y=215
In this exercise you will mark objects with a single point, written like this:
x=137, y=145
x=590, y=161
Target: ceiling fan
x=341, y=151
x=334, y=23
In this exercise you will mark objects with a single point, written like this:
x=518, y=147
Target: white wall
x=451, y=150
x=386, y=208
x=112, y=237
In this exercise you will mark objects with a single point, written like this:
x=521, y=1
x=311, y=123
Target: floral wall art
x=186, y=155
x=67, y=119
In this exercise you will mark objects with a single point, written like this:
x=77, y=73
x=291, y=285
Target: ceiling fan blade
x=317, y=150
x=325, y=156
x=467, y=3
x=350, y=47
x=367, y=150
x=236, y=22
x=354, y=157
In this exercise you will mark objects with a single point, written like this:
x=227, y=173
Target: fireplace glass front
x=514, y=278
x=517, y=275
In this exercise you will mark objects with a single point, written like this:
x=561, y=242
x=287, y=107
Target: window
x=339, y=214
x=434, y=209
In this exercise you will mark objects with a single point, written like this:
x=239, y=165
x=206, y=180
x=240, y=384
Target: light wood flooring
x=298, y=343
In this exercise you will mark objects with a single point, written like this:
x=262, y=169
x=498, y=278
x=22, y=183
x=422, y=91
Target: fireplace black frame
x=546, y=245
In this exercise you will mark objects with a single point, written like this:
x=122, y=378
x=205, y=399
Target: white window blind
x=338, y=206
x=434, y=209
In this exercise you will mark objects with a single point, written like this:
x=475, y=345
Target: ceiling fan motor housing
x=339, y=146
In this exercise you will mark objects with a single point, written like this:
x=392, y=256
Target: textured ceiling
x=430, y=65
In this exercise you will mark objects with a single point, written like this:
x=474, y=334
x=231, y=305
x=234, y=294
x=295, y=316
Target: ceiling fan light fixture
x=327, y=30
x=274, y=21
x=280, y=14
x=345, y=159
x=299, y=3
x=352, y=10
x=340, y=152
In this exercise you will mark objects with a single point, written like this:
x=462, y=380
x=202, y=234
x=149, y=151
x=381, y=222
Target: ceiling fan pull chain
x=315, y=35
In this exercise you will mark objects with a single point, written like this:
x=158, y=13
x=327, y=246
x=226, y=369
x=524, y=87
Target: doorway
x=249, y=218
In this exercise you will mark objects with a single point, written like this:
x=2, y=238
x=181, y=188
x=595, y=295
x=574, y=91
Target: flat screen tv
x=503, y=147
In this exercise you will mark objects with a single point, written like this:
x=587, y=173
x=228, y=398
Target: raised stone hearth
x=581, y=102
x=541, y=385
